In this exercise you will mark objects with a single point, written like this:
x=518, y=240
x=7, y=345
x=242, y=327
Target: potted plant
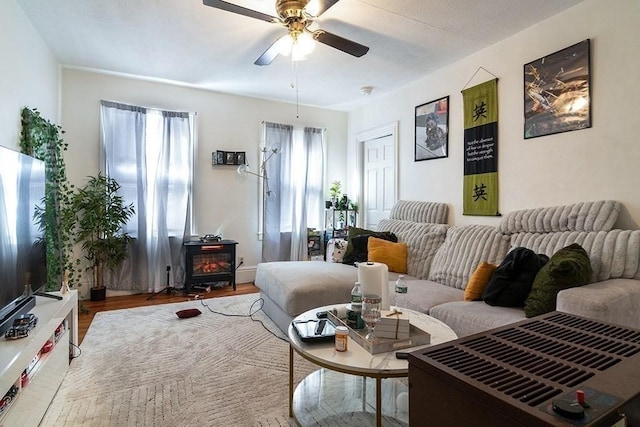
x=334, y=190
x=100, y=215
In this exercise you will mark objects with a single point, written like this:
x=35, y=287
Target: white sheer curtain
x=295, y=178
x=150, y=153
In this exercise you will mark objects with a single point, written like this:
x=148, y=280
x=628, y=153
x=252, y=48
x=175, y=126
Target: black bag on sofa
x=511, y=282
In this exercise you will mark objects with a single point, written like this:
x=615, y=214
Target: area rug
x=146, y=367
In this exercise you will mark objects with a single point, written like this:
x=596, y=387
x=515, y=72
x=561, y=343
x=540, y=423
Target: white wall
x=599, y=163
x=28, y=74
x=223, y=201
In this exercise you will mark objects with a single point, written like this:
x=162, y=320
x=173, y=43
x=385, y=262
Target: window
x=295, y=179
x=149, y=152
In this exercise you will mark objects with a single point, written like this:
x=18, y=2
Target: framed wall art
x=230, y=158
x=557, y=92
x=241, y=157
x=218, y=157
x=432, y=130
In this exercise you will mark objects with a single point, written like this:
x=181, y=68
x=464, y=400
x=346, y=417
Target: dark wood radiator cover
x=509, y=376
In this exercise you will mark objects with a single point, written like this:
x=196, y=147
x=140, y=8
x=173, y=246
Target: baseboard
x=246, y=274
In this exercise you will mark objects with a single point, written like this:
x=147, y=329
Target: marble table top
x=357, y=360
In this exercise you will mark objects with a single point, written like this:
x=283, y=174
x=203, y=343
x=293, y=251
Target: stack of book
x=392, y=324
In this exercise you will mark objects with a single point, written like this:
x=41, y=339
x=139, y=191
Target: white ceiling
x=187, y=42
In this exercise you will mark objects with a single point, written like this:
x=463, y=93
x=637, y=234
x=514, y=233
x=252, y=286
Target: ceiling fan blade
x=322, y=6
x=340, y=43
x=230, y=7
x=268, y=55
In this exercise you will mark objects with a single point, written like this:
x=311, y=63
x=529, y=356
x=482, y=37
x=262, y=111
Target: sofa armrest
x=614, y=301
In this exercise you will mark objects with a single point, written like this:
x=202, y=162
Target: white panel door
x=379, y=179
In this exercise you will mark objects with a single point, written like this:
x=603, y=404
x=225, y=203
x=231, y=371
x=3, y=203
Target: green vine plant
x=43, y=140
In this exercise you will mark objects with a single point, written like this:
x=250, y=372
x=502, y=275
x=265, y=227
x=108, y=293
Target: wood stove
x=210, y=262
x=513, y=376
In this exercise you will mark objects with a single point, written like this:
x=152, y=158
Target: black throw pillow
x=511, y=282
x=360, y=246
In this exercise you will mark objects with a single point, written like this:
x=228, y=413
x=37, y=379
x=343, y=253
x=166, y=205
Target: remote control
x=321, y=326
x=321, y=315
x=401, y=354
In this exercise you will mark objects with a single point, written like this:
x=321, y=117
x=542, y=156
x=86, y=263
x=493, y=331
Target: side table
x=357, y=362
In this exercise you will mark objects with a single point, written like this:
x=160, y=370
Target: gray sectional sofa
x=441, y=259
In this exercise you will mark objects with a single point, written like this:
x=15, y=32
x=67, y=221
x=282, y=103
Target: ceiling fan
x=296, y=16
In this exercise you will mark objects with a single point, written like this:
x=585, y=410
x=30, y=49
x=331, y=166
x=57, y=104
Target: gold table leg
x=378, y=402
x=290, y=381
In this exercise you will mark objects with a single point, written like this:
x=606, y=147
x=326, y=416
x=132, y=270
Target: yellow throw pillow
x=390, y=253
x=478, y=281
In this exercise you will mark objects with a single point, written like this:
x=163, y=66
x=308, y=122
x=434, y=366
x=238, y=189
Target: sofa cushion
x=471, y=317
x=357, y=248
x=298, y=286
x=616, y=301
x=418, y=211
x=584, y=216
x=511, y=282
x=394, y=255
x=613, y=254
x=422, y=295
x=478, y=281
x=567, y=268
x=423, y=240
x=464, y=248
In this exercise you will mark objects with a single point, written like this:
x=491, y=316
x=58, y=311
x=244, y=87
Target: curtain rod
x=148, y=108
x=266, y=121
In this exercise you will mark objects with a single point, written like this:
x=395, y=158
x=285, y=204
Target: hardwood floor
x=88, y=309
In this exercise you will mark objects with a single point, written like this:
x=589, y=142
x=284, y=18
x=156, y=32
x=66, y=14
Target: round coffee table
x=359, y=364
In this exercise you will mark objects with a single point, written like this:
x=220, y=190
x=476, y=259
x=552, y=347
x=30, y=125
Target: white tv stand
x=45, y=374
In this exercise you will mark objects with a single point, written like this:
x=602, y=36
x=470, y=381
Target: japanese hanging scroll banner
x=480, y=188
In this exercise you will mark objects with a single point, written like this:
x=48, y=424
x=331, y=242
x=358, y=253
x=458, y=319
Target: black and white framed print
x=230, y=158
x=241, y=158
x=432, y=130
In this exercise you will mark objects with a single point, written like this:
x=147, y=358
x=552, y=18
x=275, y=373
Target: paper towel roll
x=374, y=279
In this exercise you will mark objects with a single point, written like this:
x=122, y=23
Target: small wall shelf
x=228, y=158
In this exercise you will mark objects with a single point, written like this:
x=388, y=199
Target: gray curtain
x=276, y=241
x=294, y=201
x=150, y=153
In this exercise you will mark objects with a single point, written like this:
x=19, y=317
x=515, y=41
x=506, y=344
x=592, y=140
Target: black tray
x=320, y=330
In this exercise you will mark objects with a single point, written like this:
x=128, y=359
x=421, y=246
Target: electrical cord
x=72, y=354
x=252, y=312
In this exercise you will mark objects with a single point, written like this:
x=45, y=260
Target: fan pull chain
x=294, y=85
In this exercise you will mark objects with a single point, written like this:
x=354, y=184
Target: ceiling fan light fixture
x=285, y=45
x=297, y=16
x=298, y=47
x=305, y=43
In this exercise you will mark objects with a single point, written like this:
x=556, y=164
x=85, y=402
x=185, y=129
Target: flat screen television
x=22, y=253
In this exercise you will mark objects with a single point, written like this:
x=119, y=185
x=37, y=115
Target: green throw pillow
x=567, y=268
